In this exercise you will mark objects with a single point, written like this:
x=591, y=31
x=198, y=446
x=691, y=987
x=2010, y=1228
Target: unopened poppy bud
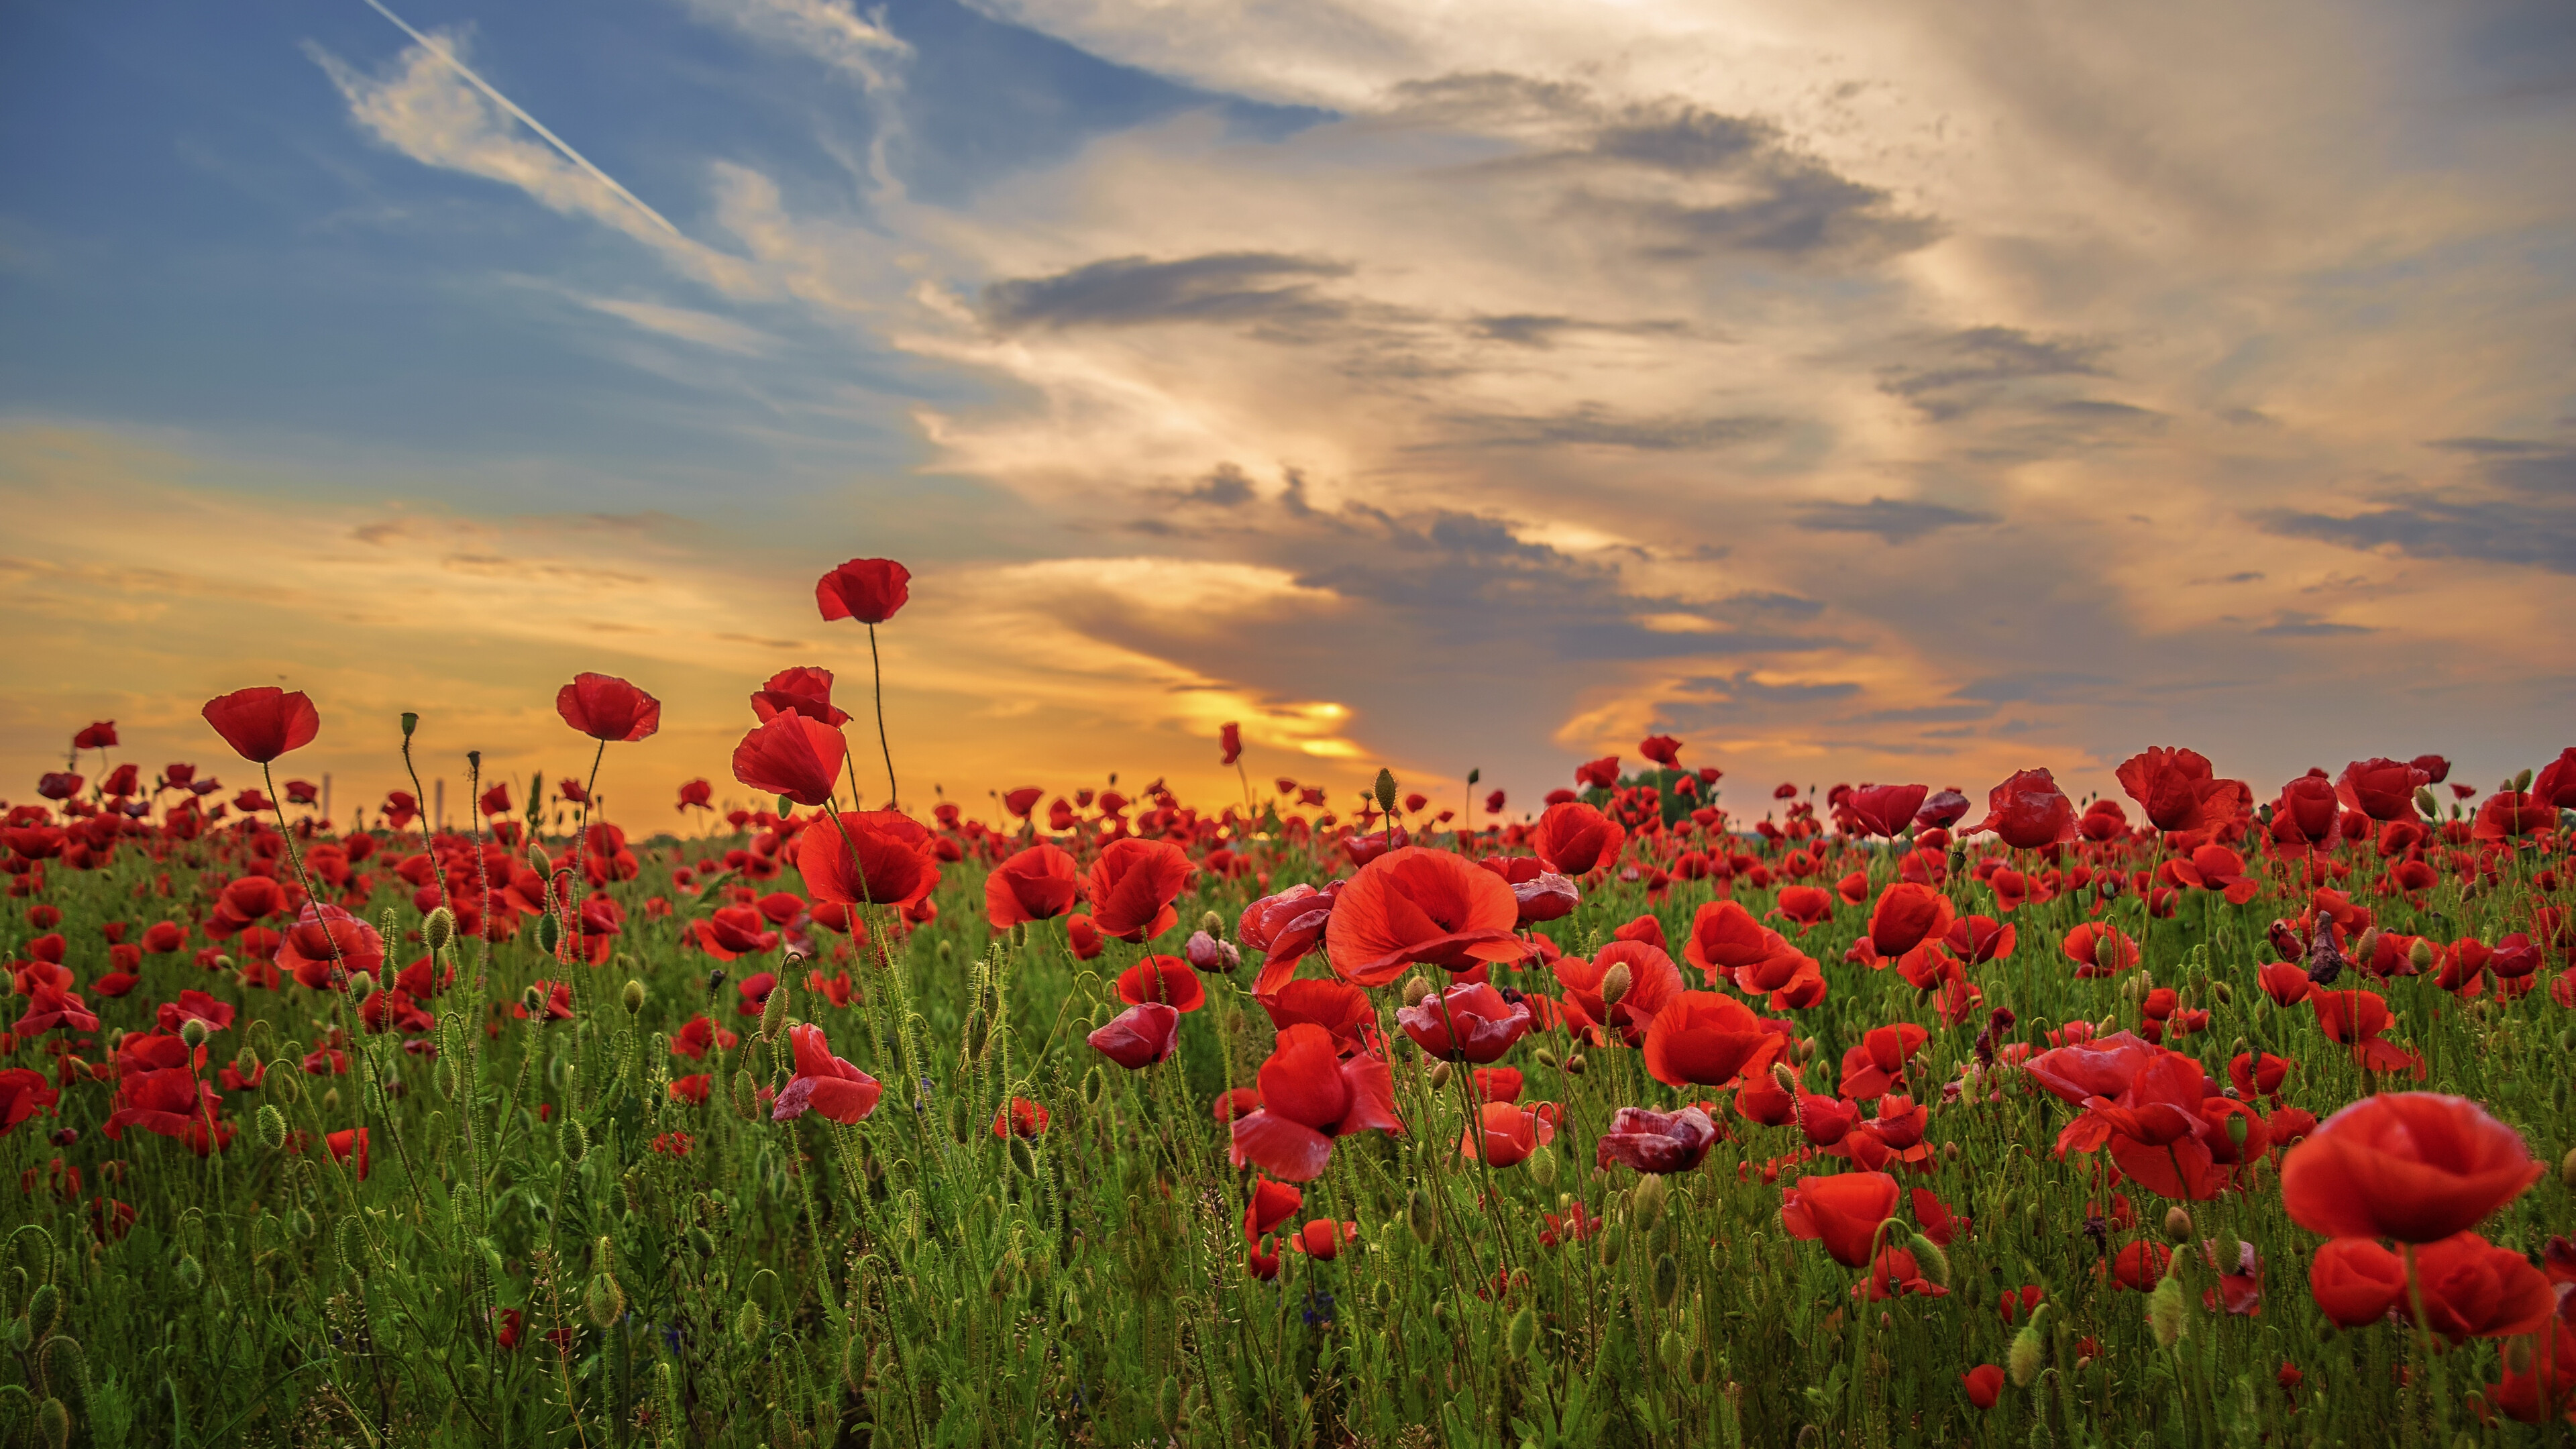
x=634, y=997
x=1419, y=1217
x=1523, y=1334
x=2367, y=947
x=437, y=929
x=192, y=1274
x=2567, y=1169
x=1785, y=1078
x=2420, y=955
x=1416, y=989
x=1212, y=923
x=1673, y=1349
x=2224, y=994
x=773, y=1013
x=1932, y=1263
x=54, y=1422
x=1385, y=789
x=549, y=929
x=1807, y=1049
x=361, y=986
x=1614, y=985
x=2425, y=802
x=1949, y=1152
x=747, y=1324
x=193, y=1033
x=410, y=722
x=2167, y=1313
x=1542, y=1167
x=2022, y=1363
x=1574, y=1066
x=572, y=1140
x=533, y=999
x=746, y=1096
x=1667, y=1281
x=2522, y=781
x=604, y=1300
x=1439, y=1074
x=271, y=1125
x=1545, y=1058
x=330, y=1101
x=2178, y=1223
x=1646, y=1200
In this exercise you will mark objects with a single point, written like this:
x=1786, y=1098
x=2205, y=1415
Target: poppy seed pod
x=410, y=722
x=1385, y=789
x=192, y=1032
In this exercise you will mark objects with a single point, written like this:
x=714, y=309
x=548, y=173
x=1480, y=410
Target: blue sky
x=1857, y=396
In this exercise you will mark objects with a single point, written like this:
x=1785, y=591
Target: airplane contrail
x=505, y=103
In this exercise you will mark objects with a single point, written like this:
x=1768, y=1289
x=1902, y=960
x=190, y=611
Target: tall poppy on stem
x=262, y=723
x=869, y=590
x=610, y=710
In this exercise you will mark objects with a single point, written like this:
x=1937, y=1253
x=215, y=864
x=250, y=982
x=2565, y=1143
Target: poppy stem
x=876, y=672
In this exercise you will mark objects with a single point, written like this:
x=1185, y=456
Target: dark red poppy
x=1906, y=915
x=1842, y=1211
x=2176, y=790
x=2555, y=785
x=1664, y=750
x=1469, y=1022
x=1985, y=1385
x=1309, y=1096
x=1418, y=906
x=608, y=709
x=1133, y=885
x=869, y=590
x=264, y=722
x=1140, y=1036
x=793, y=756
x=1700, y=1038
x=2029, y=811
x=894, y=863
x=803, y=690
x=1229, y=738
x=23, y=1093
x=1572, y=838
x=824, y=1083
x=1883, y=809
x=1037, y=884
x=1656, y=1142
x=2381, y=789
x=2413, y=1166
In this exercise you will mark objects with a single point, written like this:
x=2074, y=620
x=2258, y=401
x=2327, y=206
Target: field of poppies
x=2203, y=1114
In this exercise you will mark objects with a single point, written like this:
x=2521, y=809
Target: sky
x=1858, y=392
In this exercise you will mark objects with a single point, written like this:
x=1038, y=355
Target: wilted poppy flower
x=1700, y=1038
x=1140, y=1036
x=1167, y=979
x=803, y=690
x=792, y=756
x=1883, y=809
x=869, y=590
x=1985, y=1385
x=2029, y=811
x=1907, y=914
x=1842, y=1211
x=1037, y=884
x=608, y=709
x=1309, y=1096
x=2413, y=1166
x=2356, y=1281
x=1418, y=906
x=1469, y=1022
x=1656, y=1142
x=2381, y=789
x=1572, y=838
x=894, y=863
x=264, y=722
x=824, y=1083
x=1133, y=885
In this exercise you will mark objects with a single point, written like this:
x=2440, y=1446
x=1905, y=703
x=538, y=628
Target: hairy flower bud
x=2022, y=1364
x=2167, y=1313
x=1614, y=983
x=270, y=1123
x=2178, y=1222
x=1385, y=789
x=438, y=929
x=1522, y=1336
x=1420, y=1218
x=634, y=997
x=1929, y=1260
x=773, y=1013
x=193, y=1033
x=1646, y=1200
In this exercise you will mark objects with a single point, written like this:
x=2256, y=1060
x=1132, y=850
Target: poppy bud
x=2167, y=1314
x=2522, y=782
x=604, y=1301
x=1523, y=1334
x=1614, y=985
x=42, y=1307
x=2178, y=1222
x=2420, y=955
x=1787, y=1079
x=1439, y=1075
x=1646, y=1200
x=1574, y=1066
x=572, y=1140
x=1611, y=1243
x=1667, y=1281
x=634, y=997
x=2425, y=802
x=1545, y=1058
x=2367, y=947
x=1385, y=789
x=193, y=1033
x=1542, y=1167
x=549, y=929
x=54, y=1422
x=351, y=1240
x=330, y=1101
x=2567, y=1169
x=192, y=1274
x=1213, y=924
x=1072, y=1307
x=271, y=1125
x=2106, y=951
x=747, y=1324
x=2021, y=1364
x=438, y=929
x=361, y=986
x=1415, y=988
x=773, y=1013
x=1929, y=1260
x=1093, y=1084
x=746, y=1096
x=410, y=722
x=1419, y=1217
x=1024, y=1158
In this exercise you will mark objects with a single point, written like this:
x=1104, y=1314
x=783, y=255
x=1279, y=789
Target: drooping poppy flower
x=264, y=722
x=793, y=756
x=803, y=690
x=1037, y=884
x=1283, y=928
x=1309, y=1096
x=894, y=863
x=2381, y=789
x=1469, y=1022
x=2029, y=811
x=869, y=590
x=824, y=1083
x=1656, y=1142
x=608, y=709
x=2413, y=1166
x=1700, y=1038
x=1133, y=885
x=1417, y=906
x=1574, y=839
x=2356, y=1281
x=1841, y=1210
x=1906, y=915
x=1141, y=1036
x=1167, y=979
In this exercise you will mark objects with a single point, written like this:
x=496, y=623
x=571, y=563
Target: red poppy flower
x=2381, y=789
x=792, y=756
x=1883, y=809
x=1037, y=884
x=608, y=709
x=731, y=932
x=2099, y=948
x=2555, y=785
x=347, y=1143
x=1167, y=979
x=1656, y=1142
x=2177, y=792
x=1337, y=1006
x=1572, y=838
x=1140, y=1036
x=1842, y=1211
x=1653, y=980
x=2308, y=812
x=308, y=949
x=1906, y=915
x=1417, y=906
x=23, y=1093
x=2140, y=1265
x=2286, y=984
x=1309, y=1096
x=2474, y=1289
x=1506, y=1133
x=894, y=863
x=1985, y=1385
x=1268, y=1205
x=1469, y=1022
x=1229, y=737
x=2414, y=1166
x=1023, y=1118
x=803, y=690
x=1133, y=885
x=2217, y=868
x=1700, y=1038
x=264, y=722
x=1981, y=938
x=2356, y=1281
x=1283, y=928
x=824, y=1083
x=2029, y=811
x=1082, y=938
x=1809, y=906
x=869, y=590
x=1878, y=1061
